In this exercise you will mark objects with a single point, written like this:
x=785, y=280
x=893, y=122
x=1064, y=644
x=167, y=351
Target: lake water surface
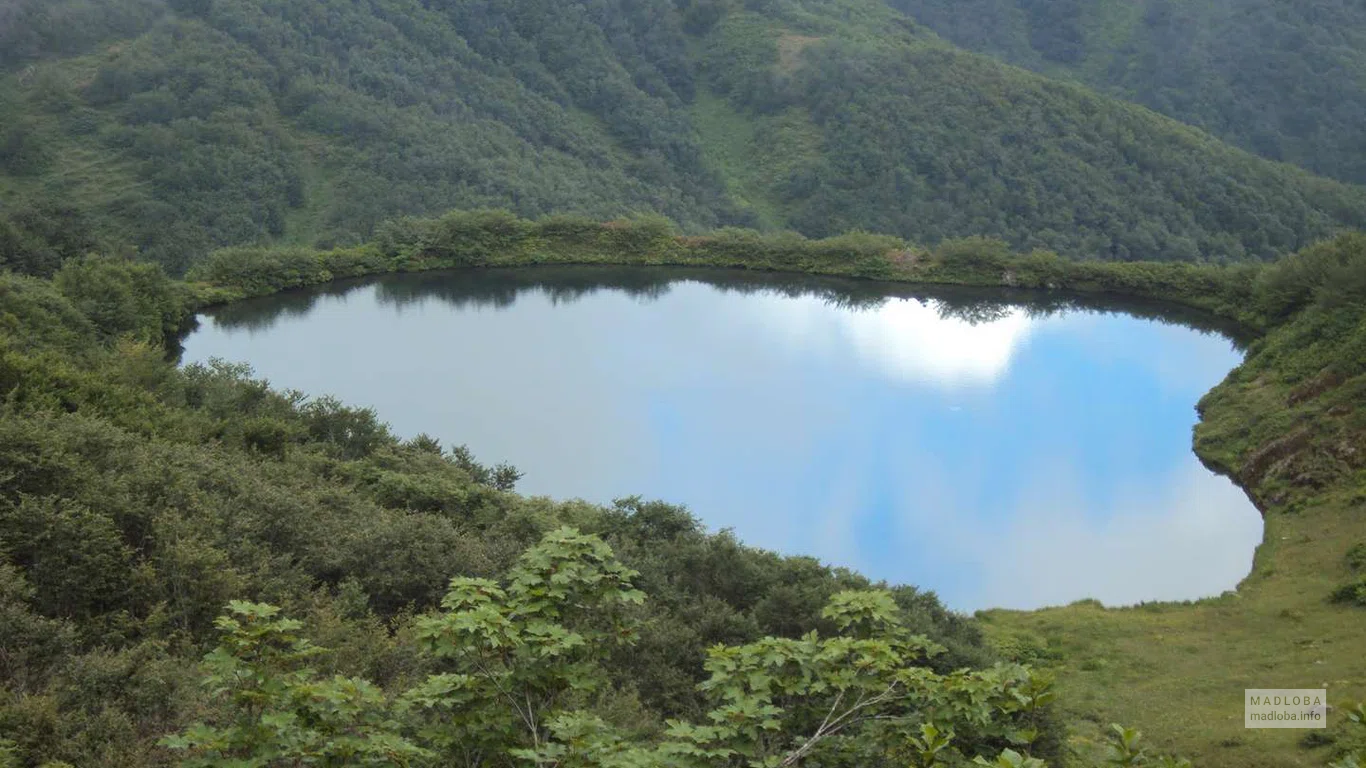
x=1000, y=449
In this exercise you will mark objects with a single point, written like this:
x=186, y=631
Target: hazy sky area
x=1018, y=463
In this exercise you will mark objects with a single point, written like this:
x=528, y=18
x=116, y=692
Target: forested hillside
x=172, y=128
x=1284, y=80
x=230, y=121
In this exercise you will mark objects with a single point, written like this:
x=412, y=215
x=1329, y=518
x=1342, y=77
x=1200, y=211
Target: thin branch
x=830, y=727
x=833, y=706
x=531, y=717
x=525, y=716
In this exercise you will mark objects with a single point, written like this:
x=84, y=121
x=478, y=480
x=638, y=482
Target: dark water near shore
x=1000, y=448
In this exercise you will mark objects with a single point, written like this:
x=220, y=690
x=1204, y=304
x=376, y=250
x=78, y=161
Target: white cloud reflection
x=1187, y=535
x=1191, y=536
x=903, y=338
x=745, y=408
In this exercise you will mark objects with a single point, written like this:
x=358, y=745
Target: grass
x=1177, y=671
x=304, y=223
x=756, y=155
x=728, y=146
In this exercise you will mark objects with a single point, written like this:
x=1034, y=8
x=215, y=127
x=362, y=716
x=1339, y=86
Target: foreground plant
x=518, y=654
x=1354, y=757
x=282, y=711
x=523, y=668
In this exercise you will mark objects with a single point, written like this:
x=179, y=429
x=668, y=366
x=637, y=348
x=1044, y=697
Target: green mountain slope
x=1285, y=80
x=174, y=129
x=240, y=119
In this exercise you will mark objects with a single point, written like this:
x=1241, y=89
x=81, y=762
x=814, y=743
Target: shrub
x=259, y=271
x=353, y=432
x=1329, y=273
x=1353, y=592
x=469, y=238
x=579, y=230
x=639, y=236
x=268, y=436
x=1356, y=556
x=354, y=262
x=973, y=251
x=122, y=297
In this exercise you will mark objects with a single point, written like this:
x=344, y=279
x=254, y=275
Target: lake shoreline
x=1240, y=421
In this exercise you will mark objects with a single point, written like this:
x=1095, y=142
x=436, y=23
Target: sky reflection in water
x=998, y=454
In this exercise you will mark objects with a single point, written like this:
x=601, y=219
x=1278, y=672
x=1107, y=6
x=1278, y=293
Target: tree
x=518, y=654
x=861, y=697
x=282, y=712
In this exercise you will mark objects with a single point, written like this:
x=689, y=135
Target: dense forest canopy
x=169, y=129
x=1284, y=80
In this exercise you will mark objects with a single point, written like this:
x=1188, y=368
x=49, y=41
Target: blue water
x=995, y=450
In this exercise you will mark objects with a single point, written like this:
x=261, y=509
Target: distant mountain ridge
x=172, y=128
x=1285, y=80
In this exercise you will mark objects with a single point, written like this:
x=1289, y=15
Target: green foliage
x=37, y=237
x=495, y=238
x=1353, y=592
x=137, y=498
x=1009, y=758
x=860, y=696
x=229, y=123
x=1124, y=750
x=1318, y=334
x=1328, y=273
x=740, y=57
x=1356, y=556
x=351, y=433
x=1315, y=364
x=521, y=670
x=516, y=655
x=30, y=29
x=1353, y=755
x=121, y=297
x=284, y=712
x=931, y=144
x=468, y=239
x=32, y=314
x=76, y=559
x=262, y=270
x=32, y=644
